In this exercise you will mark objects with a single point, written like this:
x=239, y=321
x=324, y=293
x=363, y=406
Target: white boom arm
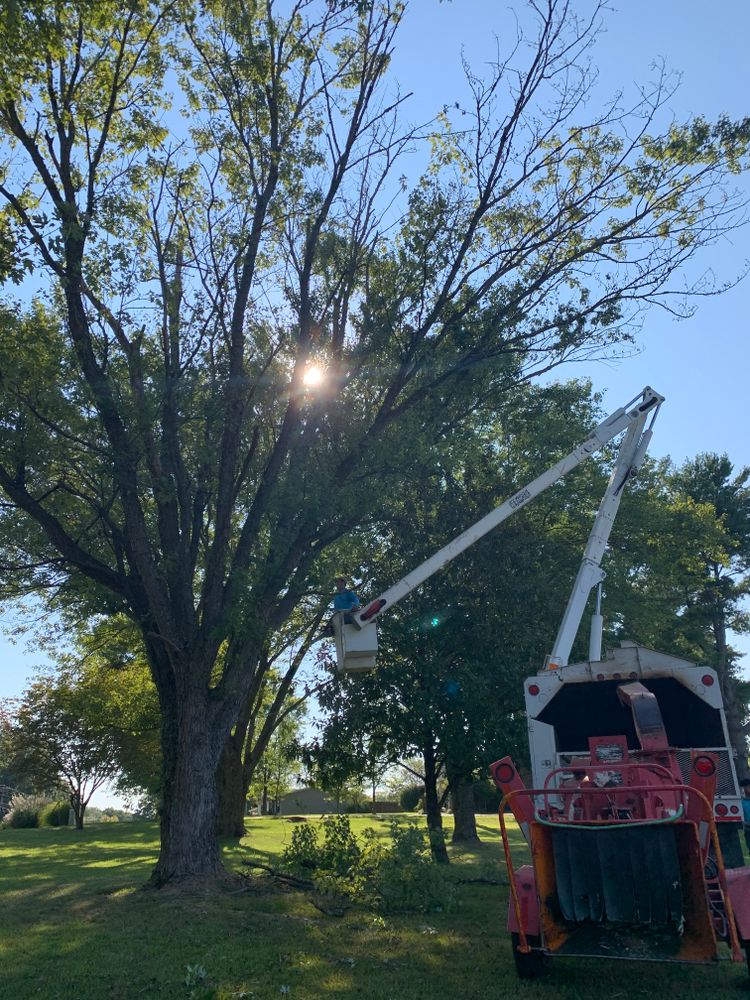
x=632, y=451
x=357, y=651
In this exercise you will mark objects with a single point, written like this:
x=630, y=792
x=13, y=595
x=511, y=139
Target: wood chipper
x=627, y=859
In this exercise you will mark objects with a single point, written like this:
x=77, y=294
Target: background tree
x=162, y=454
x=61, y=735
x=12, y=778
x=274, y=774
x=688, y=542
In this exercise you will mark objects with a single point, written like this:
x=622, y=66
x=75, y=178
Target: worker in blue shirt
x=745, y=783
x=344, y=599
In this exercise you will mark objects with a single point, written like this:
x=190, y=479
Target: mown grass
x=75, y=925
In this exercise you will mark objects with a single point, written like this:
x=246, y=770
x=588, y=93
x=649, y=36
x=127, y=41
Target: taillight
x=704, y=766
x=707, y=680
x=534, y=689
x=721, y=809
x=504, y=773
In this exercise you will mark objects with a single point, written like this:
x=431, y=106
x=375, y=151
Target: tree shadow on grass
x=77, y=931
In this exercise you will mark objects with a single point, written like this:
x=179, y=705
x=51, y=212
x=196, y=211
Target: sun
x=313, y=376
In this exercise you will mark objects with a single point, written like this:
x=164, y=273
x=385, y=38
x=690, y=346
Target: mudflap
x=528, y=902
x=731, y=847
x=738, y=888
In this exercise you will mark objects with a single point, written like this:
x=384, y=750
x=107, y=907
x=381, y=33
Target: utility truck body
x=566, y=707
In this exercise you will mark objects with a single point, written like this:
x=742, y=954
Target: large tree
x=208, y=197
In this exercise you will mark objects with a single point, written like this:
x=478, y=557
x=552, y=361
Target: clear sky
x=702, y=364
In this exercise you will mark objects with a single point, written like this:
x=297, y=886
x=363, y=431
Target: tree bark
x=462, y=806
x=79, y=808
x=432, y=805
x=189, y=835
x=232, y=791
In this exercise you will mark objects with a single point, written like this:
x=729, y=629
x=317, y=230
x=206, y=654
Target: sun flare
x=313, y=376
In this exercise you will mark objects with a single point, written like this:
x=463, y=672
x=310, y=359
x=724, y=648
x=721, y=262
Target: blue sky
x=701, y=365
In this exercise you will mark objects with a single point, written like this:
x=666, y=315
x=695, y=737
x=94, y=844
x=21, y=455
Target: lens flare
x=313, y=376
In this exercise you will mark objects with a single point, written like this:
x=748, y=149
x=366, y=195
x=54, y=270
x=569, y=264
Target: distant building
x=308, y=802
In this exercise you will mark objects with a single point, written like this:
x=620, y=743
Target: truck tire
x=529, y=965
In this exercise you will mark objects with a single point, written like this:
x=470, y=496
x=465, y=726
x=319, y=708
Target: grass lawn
x=74, y=926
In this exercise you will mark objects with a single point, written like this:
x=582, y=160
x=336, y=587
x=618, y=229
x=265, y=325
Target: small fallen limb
x=298, y=883
x=479, y=881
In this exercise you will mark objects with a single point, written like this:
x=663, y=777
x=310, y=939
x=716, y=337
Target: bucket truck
x=634, y=816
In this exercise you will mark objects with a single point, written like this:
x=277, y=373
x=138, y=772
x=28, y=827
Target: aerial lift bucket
x=356, y=643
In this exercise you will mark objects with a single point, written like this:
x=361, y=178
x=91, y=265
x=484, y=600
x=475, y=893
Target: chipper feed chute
x=623, y=891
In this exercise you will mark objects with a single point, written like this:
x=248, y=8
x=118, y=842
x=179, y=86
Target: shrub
x=24, y=811
x=54, y=814
x=410, y=796
x=408, y=878
x=401, y=877
x=304, y=851
x=340, y=853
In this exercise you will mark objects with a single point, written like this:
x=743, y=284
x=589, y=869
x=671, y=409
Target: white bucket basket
x=356, y=643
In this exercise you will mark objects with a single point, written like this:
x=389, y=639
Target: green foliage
x=304, y=850
x=55, y=814
x=340, y=852
x=25, y=811
x=410, y=797
x=400, y=877
x=408, y=880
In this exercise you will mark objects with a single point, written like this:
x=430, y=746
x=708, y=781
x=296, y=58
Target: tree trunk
x=79, y=808
x=462, y=806
x=189, y=839
x=432, y=807
x=232, y=791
